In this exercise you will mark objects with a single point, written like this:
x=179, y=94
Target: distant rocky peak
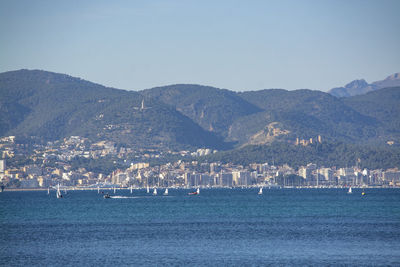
x=390, y=81
x=359, y=87
x=357, y=84
x=395, y=76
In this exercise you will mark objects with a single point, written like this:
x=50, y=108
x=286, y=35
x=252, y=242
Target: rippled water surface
x=217, y=227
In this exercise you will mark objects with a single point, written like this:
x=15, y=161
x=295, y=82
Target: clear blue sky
x=238, y=45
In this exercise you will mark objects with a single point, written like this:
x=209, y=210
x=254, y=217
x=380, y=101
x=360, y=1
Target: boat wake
x=134, y=197
x=122, y=197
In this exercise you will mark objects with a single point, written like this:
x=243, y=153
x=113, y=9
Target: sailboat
x=197, y=192
x=131, y=189
x=155, y=191
x=148, y=189
x=48, y=190
x=350, y=191
x=59, y=195
x=166, y=192
x=98, y=190
x=261, y=191
x=114, y=190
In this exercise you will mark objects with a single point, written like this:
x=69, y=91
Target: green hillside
x=213, y=109
x=384, y=106
x=305, y=114
x=53, y=106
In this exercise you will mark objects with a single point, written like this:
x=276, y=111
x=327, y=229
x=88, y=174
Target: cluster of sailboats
x=58, y=192
x=197, y=192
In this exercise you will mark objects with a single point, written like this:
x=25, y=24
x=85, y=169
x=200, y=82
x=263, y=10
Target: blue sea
x=219, y=227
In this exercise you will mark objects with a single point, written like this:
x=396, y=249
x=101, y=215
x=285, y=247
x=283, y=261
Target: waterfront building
x=241, y=178
x=305, y=172
x=225, y=179
x=206, y=180
x=2, y=165
x=392, y=176
x=325, y=176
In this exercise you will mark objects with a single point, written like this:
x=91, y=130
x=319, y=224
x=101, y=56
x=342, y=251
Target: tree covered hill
x=212, y=108
x=52, y=106
x=266, y=116
x=384, y=106
x=307, y=114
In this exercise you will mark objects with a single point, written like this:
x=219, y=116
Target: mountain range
x=53, y=106
x=359, y=87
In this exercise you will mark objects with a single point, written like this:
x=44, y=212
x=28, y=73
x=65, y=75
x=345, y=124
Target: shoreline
x=191, y=188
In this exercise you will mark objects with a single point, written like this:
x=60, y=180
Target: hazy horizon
x=234, y=45
x=164, y=85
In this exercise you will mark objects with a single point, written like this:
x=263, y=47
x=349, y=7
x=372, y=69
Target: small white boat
x=155, y=191
x=261, y=191
x=114, y=190
x=166, y=192
x=148, y=189
x=48, y=190
x=98, y=190
x=131, y=189
x=350, y=191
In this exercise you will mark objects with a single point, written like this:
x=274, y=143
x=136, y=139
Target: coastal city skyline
x=185, y=172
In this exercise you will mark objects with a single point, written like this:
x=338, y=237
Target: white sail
x=166, y=192
x=98, y=190
x=155, y=191
x=198, y=190
x=261, y=191
x=350, y=191
x=148, y=189
x=131, y=189
x=114, y=190
x=58, y=191
x=48, y=190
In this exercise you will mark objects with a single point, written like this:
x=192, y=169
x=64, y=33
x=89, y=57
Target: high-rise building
x=305, y=172
x=226, y=179
x=206, y=180
x=2, y=165
x=325, y=174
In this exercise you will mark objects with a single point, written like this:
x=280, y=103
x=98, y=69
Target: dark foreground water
x=218, y=227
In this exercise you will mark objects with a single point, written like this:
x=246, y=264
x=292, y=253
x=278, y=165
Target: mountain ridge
x=53, y=106
x=360, y=87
